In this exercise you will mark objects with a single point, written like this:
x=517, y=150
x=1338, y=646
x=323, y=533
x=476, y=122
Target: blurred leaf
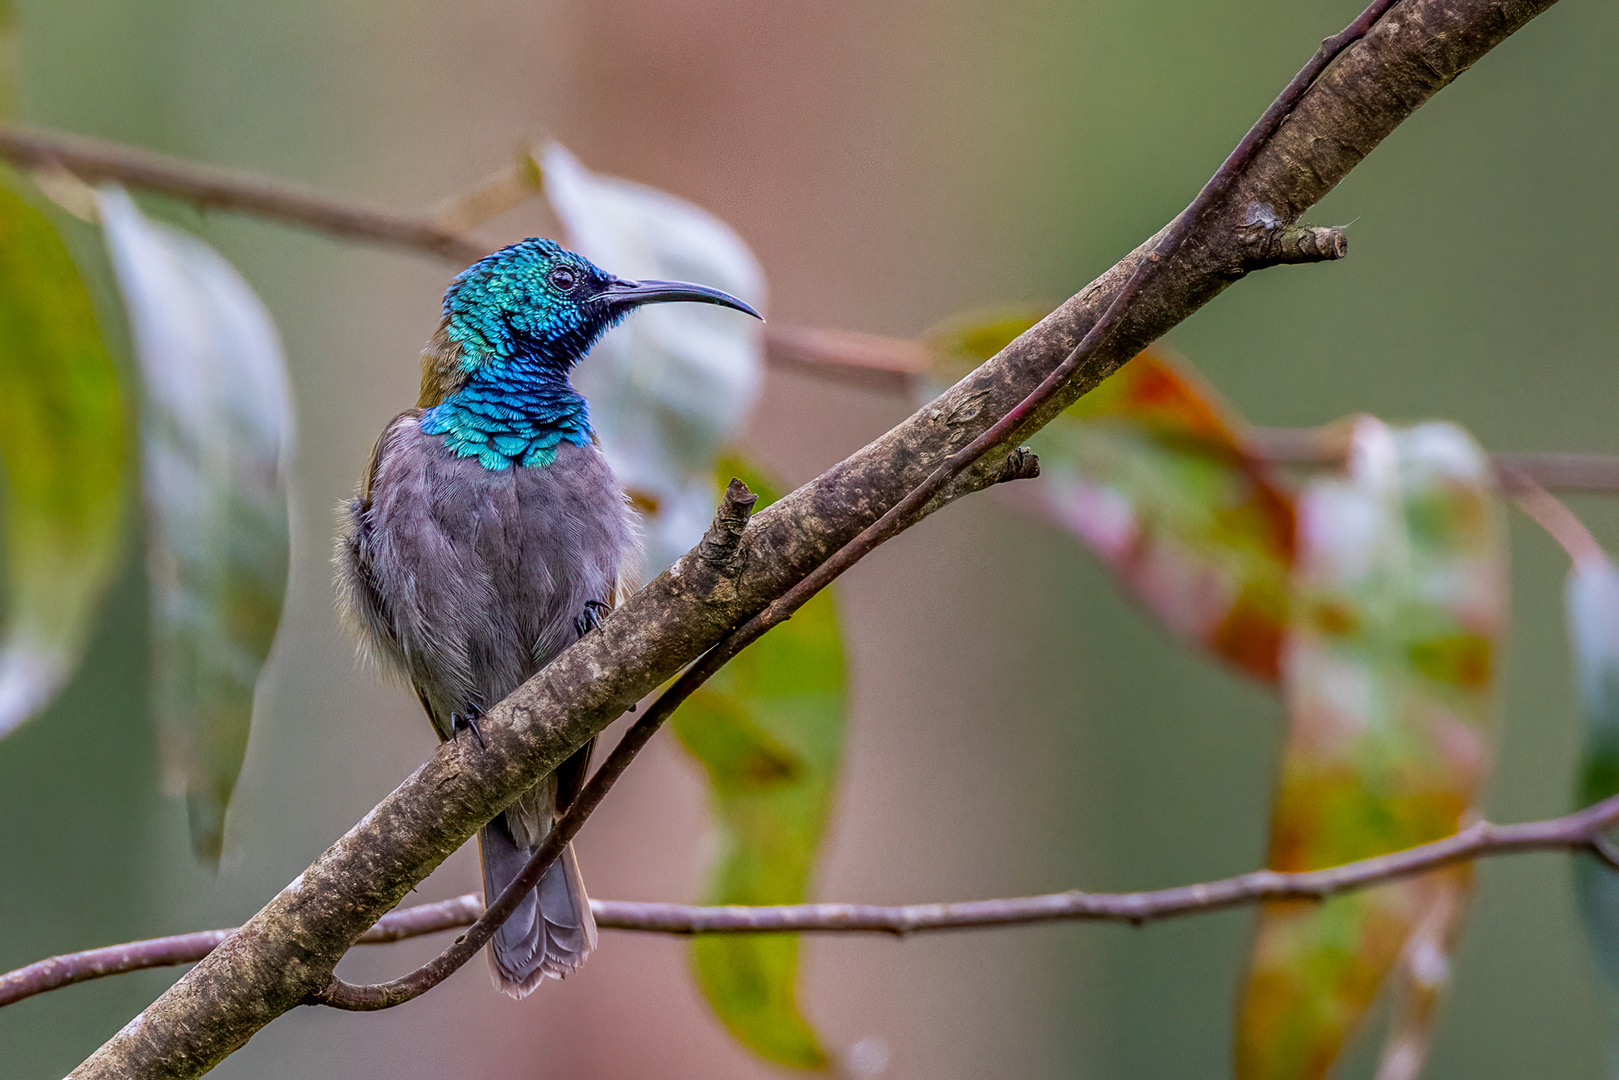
x=1149, y=470
x=768, y=729
x=962, y=343
x=10, y=61
x=216, y=436
x=63, y=443
x=675, y=384
x=1388, y=668
x=1591, y=598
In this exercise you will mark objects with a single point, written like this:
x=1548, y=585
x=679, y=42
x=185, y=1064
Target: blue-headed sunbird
x=487, y=535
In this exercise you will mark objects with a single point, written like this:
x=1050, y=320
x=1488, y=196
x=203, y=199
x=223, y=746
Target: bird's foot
x=468, y=720
x=591, y=618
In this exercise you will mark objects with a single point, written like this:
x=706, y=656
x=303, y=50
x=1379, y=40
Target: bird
x=488, y=533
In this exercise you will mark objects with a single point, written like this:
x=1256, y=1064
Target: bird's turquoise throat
x=513, y=413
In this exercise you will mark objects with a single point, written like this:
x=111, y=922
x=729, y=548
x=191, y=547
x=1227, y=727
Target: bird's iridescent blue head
x=537, y=298
x=495, y=376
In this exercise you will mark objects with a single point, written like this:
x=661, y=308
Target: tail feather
x=552, y=930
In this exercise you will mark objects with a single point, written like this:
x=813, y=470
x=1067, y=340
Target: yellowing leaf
x=768, y=730
x=216, y=434
x=1388, y=672
x=62, y=443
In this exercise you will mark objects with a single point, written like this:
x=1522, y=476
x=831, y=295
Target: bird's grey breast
x=469, y=579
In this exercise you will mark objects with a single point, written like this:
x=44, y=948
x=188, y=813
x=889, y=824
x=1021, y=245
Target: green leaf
x=1591, y=598
x=63, y=445
x=1389, y=675
x=216, y=435
x=672, y=387
x=768, y=730
x=961, y=343
x=10, y=66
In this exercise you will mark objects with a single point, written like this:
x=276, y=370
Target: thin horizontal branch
x=865, y=360
x=65, y=970
x=1327, y=445
x=200, y=185
x=1582, y=831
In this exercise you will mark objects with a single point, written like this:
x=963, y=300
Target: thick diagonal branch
x=288, y=950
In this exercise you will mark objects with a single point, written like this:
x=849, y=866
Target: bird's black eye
x=564, y=278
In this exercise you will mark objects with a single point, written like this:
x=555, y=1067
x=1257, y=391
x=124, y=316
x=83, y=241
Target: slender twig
x=866, y=360
x=1328, y=446
x=498, y=193
x=1582, y=831
x=93, y=159
x=1552, y=515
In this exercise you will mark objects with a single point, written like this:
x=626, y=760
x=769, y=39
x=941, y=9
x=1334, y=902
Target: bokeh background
x=1016, y=725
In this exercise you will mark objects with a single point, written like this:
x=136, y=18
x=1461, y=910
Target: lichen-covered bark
x=288, y=950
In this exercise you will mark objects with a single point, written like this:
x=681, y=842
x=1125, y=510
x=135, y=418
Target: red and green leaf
x=1388, y=670
x=1149, y=469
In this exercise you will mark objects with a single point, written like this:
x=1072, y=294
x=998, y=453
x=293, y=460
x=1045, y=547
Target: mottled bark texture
x=288, y=950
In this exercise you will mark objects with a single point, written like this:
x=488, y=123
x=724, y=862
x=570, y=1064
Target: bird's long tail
x=552, y=930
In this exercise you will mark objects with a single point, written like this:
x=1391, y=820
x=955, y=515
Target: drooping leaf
x=63, y=444
x=1150, y=471
x=768, y=731
x=1388, y=671
x=216, y=436
x=675, y=384
x=1591, y=598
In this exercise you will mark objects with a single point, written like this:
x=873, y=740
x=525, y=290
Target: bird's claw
x=468, y=720
x=591, y=618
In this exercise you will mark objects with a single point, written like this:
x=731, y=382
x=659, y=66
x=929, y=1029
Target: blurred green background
x=1016, y=725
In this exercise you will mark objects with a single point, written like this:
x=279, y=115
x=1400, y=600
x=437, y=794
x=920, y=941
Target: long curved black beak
x=622, y=295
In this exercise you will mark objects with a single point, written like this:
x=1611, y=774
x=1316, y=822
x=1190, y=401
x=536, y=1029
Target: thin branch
x=1582, y=831
x=1328, y=445
x=864, y=360
x=93, y=159
x=1552, y=515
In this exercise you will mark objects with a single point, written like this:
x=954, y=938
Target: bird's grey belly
x=468, y=579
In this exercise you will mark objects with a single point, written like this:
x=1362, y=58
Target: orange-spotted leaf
x=1398, y=607
x=1150, y=470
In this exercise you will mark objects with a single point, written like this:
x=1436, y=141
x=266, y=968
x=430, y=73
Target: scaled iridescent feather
x=494, y=379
